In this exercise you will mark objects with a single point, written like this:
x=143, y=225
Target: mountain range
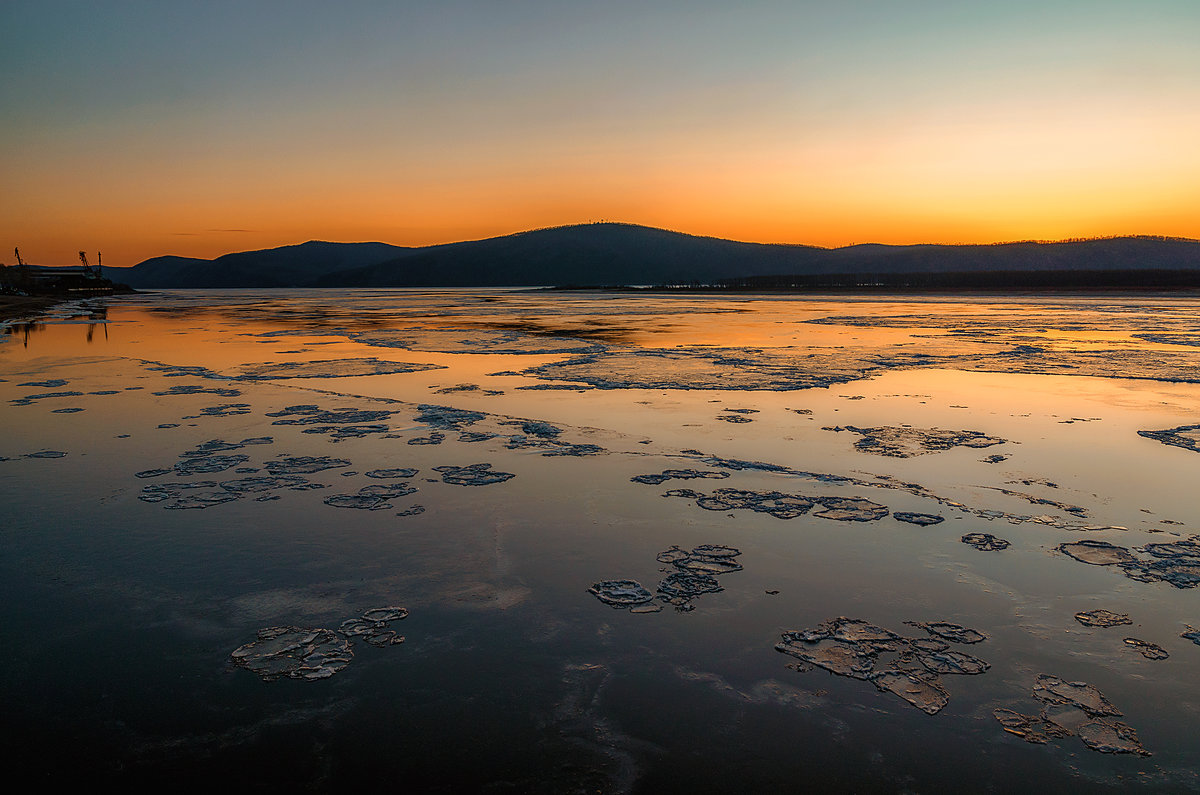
x=610, y=254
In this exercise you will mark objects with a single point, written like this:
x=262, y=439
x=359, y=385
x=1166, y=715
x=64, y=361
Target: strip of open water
x=542, y=542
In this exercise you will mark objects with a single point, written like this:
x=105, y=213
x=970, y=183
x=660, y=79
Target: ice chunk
x=294, y=653
x=472, y=475
x=621, y=593
x=1102, y=618
x=985, y=541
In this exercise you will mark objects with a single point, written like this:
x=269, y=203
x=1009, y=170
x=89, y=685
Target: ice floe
x=905, y=442
x=910, y=668
x=985, y=541
x=472, y=475
x=316, y=653
x=1102, y=618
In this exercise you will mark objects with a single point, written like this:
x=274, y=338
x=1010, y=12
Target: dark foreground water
x=318, y=540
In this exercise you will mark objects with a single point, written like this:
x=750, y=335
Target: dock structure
x=81, y=280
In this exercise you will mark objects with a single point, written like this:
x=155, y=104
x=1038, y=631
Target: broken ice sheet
x=855, y=648
x=449, y=390
x=696, y=572
x=206, y=464
x=374, y=626
x=1177, y=562
x=266, y=483
x=331, y=368
x=472, y=475
x=709, y=559
x=308, y=414
x=1102, y=618
x=1185, y=436
x=28, y=399
x=294, y=653
x=955, y=633
x=985, y=541
x=678, y=474
x=535, y=428
x=778, y=504
x=925, y=694
x=298, y=653
x=197, y=389
x=839, y=658
x=392, y=473
x=621, y=593
x=447, y=418
x=1111, y=737
x=1032, y=729
x=474, y=340
x=1151, y=651
x=202, y=459
x=51, y=383
x=371, y=498
x=687, y=586
x=922, y=519
x=303, y=465
x=222, y=410
x=191, y=495
x=1073, y=708
x=786, y=506
x=702, y=367
x=1097, y=553
x=1035, y=500
x=339, y=432
x=219, y=446
x=953, y=662
x=551, y=446
x=1055, y=690
x=850, y=509
x=204, y=494
x=905, y=441
x=554, y=447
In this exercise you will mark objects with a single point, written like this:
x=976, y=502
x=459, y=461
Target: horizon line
x=534, y=230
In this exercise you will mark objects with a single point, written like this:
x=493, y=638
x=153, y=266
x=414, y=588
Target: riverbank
x=18, y=307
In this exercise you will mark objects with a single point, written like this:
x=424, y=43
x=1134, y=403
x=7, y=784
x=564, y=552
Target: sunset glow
x=141, y=129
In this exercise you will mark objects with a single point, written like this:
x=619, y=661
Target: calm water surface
x=127, y=586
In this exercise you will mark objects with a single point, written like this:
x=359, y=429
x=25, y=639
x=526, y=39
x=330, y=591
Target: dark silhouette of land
x=610, y=254
x=26, y=290
x=991, y=281
x=288, y=266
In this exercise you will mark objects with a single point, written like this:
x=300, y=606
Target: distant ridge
x=608, y=254
x=287, y=266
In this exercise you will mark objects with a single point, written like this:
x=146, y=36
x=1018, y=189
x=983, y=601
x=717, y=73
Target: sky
x=198, y=128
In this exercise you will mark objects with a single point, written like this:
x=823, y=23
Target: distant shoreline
x=996, y=282
x=1016, y=291
x=19, y=307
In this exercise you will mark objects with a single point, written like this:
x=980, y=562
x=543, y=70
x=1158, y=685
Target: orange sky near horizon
x=151, y=131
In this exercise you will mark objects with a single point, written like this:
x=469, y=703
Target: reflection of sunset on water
x=216, y=467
